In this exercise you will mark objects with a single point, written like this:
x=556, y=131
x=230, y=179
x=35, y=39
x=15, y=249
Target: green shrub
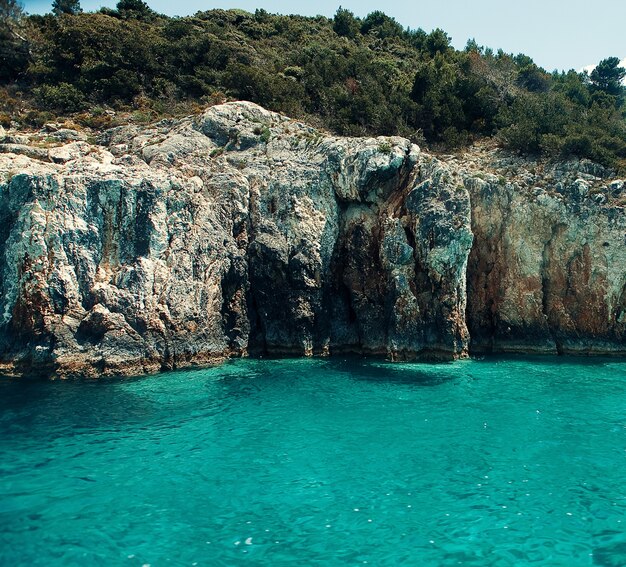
x=265, y=134
x=36, y=119
x=143, y=116
x=62, y=97
x=353, y=76
x=94, y=120
x=577, y=145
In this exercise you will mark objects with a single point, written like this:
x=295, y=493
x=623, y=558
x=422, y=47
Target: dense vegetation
x=353, y=76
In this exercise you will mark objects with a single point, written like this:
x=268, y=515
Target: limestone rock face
x=547, y=272
x=240, y=231
x=237, y=231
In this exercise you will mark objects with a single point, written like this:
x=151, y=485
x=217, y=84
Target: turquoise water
x=319, y=462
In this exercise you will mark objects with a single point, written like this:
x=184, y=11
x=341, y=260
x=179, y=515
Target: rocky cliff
x=240, y=231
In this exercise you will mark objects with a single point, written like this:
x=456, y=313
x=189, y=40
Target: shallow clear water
x=328, y=462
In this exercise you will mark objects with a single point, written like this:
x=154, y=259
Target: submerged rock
x=240, y=231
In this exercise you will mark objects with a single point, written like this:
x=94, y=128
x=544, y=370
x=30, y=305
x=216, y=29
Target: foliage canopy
x=353, y=76
x=66, y=7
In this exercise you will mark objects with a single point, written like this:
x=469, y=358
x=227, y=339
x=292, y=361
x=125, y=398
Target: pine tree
x=345, y=24
x=608, y=76
x=134, y=9
x=66, y=7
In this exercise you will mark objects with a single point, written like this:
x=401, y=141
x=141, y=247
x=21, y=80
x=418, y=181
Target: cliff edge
x=240, y=231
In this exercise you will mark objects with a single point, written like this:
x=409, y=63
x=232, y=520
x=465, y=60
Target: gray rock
x=68, y=152
x=240, y=231
x=595, y=169
x=25, y=150
x=67, y=135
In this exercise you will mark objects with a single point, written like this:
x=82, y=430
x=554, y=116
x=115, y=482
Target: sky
x=557, y=34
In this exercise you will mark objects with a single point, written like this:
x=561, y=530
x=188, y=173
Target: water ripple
x=333, y=462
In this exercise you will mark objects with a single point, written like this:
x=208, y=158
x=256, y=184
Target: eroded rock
x=240, y=231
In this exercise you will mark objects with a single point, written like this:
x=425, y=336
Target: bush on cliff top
x=354, y=76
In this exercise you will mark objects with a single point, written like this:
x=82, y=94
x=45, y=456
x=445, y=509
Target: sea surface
x=319, y=462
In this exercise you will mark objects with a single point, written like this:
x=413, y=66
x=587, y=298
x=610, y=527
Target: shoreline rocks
x=241, y=232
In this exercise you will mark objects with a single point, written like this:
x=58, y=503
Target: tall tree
x=134, y=10
x=66, y=7
x=14, y=47
x=381, y=24
x=345, y=24
x=608, y=76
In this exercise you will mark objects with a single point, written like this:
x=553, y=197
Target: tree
x=573, y=86
x=435, y=90
x=10, y=10
x=14, y=47
x=134, y=10
x=608, y=76
x=345, y=24
x=437, y=42
x=382, y=25
x=533, y=79
x=472, y=46
x=66, y=7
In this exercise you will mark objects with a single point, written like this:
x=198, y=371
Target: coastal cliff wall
x=240, y=231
